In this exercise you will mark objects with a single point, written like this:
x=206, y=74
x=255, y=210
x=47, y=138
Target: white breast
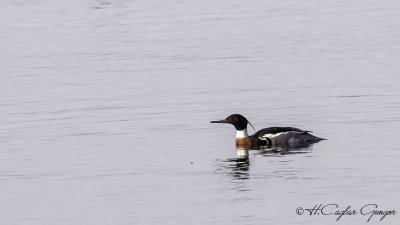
x=242, y=153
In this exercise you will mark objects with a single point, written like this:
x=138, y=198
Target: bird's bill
x=219, y=121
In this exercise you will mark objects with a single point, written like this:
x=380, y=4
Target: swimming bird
x=287, y=137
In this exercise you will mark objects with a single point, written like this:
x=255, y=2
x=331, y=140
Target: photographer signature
x=369, y=210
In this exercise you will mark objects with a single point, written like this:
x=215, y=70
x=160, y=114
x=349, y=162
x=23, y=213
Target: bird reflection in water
x=239, y=167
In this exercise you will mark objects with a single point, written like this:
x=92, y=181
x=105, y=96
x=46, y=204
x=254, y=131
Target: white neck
x=241, y=133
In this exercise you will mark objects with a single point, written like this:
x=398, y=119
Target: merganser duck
x=289, y=137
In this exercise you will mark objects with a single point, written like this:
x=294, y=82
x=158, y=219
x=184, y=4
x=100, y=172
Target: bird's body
x=289, y=137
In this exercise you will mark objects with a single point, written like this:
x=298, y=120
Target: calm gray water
x=105, y=110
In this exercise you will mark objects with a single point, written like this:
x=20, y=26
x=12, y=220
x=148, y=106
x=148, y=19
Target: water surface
x=105, y=110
